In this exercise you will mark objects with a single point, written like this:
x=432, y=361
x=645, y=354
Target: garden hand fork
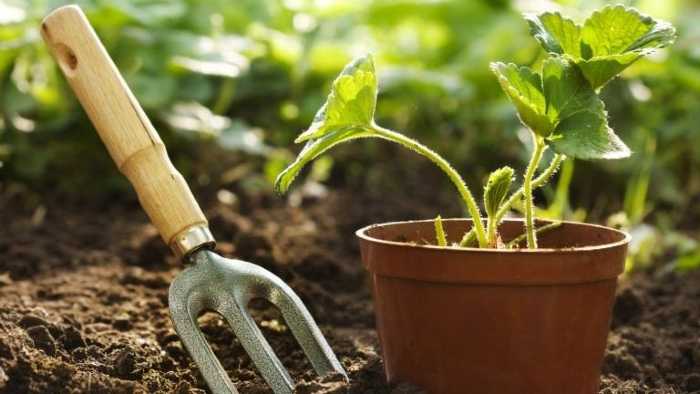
x=211, y=282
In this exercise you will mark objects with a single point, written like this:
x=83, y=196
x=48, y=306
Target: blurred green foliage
x=248, y=76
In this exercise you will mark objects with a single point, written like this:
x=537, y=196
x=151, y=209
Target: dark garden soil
x=83, y=302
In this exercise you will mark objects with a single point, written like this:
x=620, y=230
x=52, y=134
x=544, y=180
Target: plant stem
x=440, y=236
x=491, y=226
x=451, y=173
x=539, y=146
x=468, y=238
x=537, y=182
x=542, y=229
x=553, y=166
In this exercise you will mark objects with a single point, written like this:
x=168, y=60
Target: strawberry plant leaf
x=351, y=102
x=566, y=90
x=609, y=41
x=561, y=106
x=599, y=71
x=581, y=129
x=496, y=189
x=524, y=88
x=347, y=114
x=586, y=135
x=617, y=36
x=619, y=29
x=556, y=33
x=315, y=148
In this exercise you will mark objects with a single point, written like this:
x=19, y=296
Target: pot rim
x=625, y=238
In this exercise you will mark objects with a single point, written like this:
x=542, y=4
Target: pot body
x=494, y=321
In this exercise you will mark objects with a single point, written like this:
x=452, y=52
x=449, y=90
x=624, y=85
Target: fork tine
x=183, y=313
x=304, y=328
x=257, y=347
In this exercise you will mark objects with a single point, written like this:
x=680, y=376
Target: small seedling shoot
x=557, y=101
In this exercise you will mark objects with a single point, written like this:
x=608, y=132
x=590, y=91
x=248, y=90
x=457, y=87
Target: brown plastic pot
x=494, y=321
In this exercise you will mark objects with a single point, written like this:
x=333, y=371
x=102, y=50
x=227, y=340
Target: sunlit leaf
x=195, y=119
x=350, y=104
x=562, y=107
x=347, y=114
x=524, y=88
x=556, y=33
x=223, y=56
x=608, y=41
x=239, y=136
x=619, y=29
x=582, y=129
x=208, y=67
x=566, y=90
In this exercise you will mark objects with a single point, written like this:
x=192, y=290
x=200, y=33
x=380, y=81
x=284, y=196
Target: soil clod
x=42, y=339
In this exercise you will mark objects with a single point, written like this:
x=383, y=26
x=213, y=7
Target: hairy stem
x=537, y=182
x=470, y=236
x=451, y=173
x=539, y=146
x=542, y=229
x=440, y=235
x=491, y=227
x=468, y=239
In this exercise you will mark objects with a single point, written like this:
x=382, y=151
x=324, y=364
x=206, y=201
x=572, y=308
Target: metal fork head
x=226, y=286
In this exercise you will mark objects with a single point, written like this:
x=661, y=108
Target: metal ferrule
x=192, y=239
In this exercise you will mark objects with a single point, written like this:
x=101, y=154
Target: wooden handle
x=122, y=125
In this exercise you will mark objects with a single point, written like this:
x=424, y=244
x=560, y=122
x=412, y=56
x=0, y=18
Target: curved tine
x=184, y=318
x=256, y=346
x=303, y=326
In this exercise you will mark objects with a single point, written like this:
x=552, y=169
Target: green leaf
x=566, y=90
x=581, y=129
x=608, y=42
x=347, y=114
x=440, y=236
x=312, y=150
x=619, y=29
x=524, y=88
x=562, y=107
x=598, y=71
x=350, y=104
x=556, y=33
x=586, y=135
x=496, y=189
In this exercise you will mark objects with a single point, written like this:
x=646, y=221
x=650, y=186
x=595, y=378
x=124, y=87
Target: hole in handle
x=64, y=55
x=66, y=59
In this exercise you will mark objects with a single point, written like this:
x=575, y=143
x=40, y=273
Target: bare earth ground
x=83, y=303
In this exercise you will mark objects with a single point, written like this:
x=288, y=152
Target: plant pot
x=467, y=320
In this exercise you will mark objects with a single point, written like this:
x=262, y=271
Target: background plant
x=433, y=58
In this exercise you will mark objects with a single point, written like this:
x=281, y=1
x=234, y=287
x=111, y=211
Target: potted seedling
x=497, y=305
